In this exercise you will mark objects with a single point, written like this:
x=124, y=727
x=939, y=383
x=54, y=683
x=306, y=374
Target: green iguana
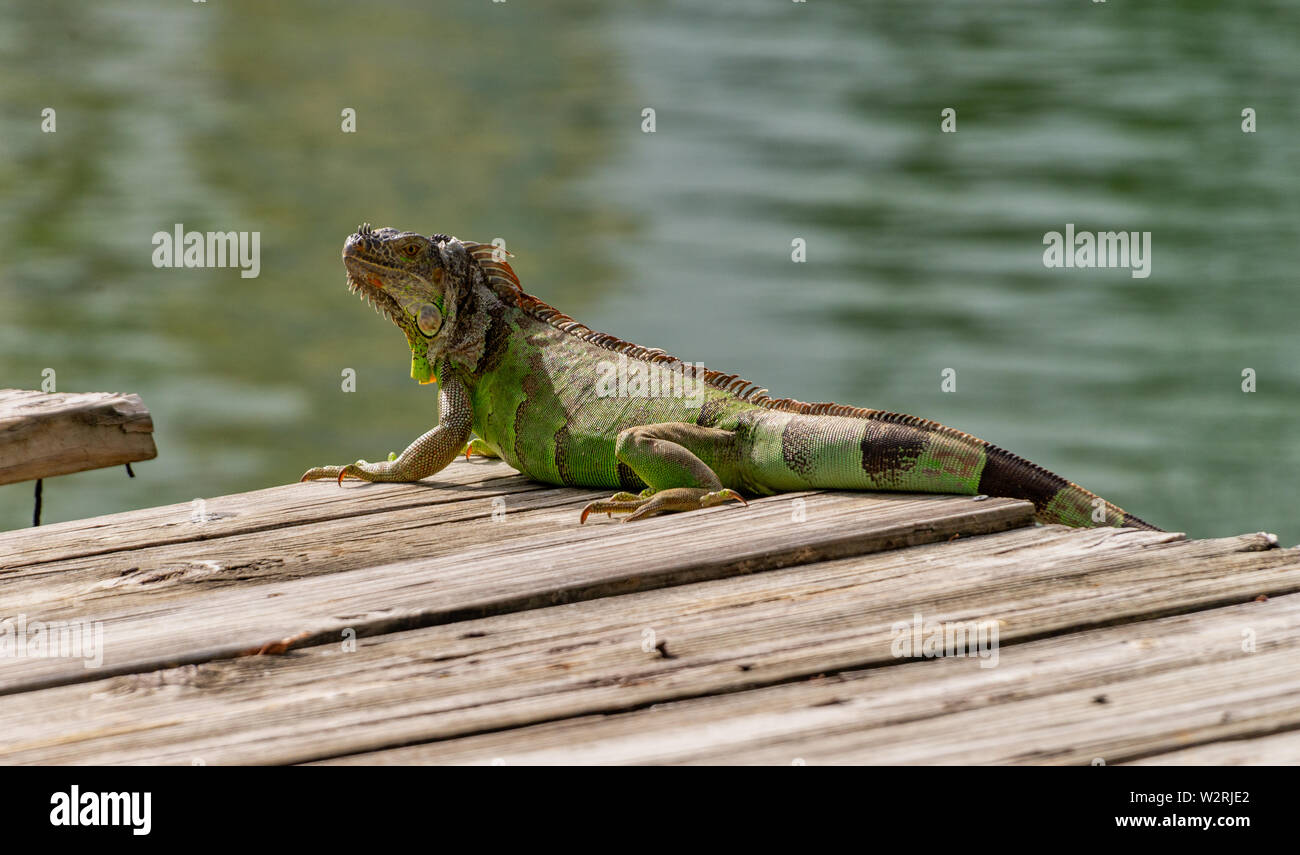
x=521, y=381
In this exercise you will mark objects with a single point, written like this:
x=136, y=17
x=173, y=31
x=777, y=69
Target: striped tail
x=1055, y=499
x=878, y=450
x=891, y=451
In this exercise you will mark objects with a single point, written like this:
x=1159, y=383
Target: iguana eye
x=429, y=319
x=411, y=250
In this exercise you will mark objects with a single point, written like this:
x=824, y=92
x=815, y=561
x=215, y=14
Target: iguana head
x=404, y=275
x=421, y=284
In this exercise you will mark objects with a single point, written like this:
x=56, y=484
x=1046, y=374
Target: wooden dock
x=470, y=619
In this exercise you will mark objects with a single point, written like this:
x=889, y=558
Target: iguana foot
x=649, y=504
x=617, y=503
x=384, y=471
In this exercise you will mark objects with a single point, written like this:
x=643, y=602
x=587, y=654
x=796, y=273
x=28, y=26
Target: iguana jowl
x=518, y=380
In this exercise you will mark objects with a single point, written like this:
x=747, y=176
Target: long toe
x=615, y=505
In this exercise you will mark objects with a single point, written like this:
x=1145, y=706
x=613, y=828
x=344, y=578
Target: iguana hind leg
x=665, y=457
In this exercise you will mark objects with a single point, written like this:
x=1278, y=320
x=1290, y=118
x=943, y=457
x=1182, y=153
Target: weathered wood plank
x=259, y=510
x=575, y=563
x=153, y=576
x=1103, y=694
x=720, y=636
x=43, y=435
x=1279, y=749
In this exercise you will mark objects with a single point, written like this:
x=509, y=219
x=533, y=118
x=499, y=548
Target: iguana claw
x=338, y=473
x=479, y=447
x=663, y=501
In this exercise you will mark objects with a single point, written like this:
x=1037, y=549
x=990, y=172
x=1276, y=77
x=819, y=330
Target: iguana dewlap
x=521, y=381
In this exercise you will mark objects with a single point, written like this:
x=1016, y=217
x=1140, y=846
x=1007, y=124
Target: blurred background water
x=775, y=120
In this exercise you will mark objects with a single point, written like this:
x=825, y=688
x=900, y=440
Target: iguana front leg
x=428, y=454
x=661, y=455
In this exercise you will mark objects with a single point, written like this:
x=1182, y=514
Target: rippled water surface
x=775, y=121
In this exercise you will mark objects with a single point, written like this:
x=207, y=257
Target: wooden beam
x=42, y=435
x=169, y=573
x=1278, y=749
x=570, y=564
x=247, y=513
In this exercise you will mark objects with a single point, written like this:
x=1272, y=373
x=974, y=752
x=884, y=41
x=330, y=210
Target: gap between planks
x=1274, y=749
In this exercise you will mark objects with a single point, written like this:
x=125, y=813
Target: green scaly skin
x=521, y=381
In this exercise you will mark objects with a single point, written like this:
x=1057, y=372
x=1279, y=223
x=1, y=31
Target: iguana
x=521, y=381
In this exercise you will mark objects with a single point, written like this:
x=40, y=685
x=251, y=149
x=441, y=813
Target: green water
x=775, y=121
